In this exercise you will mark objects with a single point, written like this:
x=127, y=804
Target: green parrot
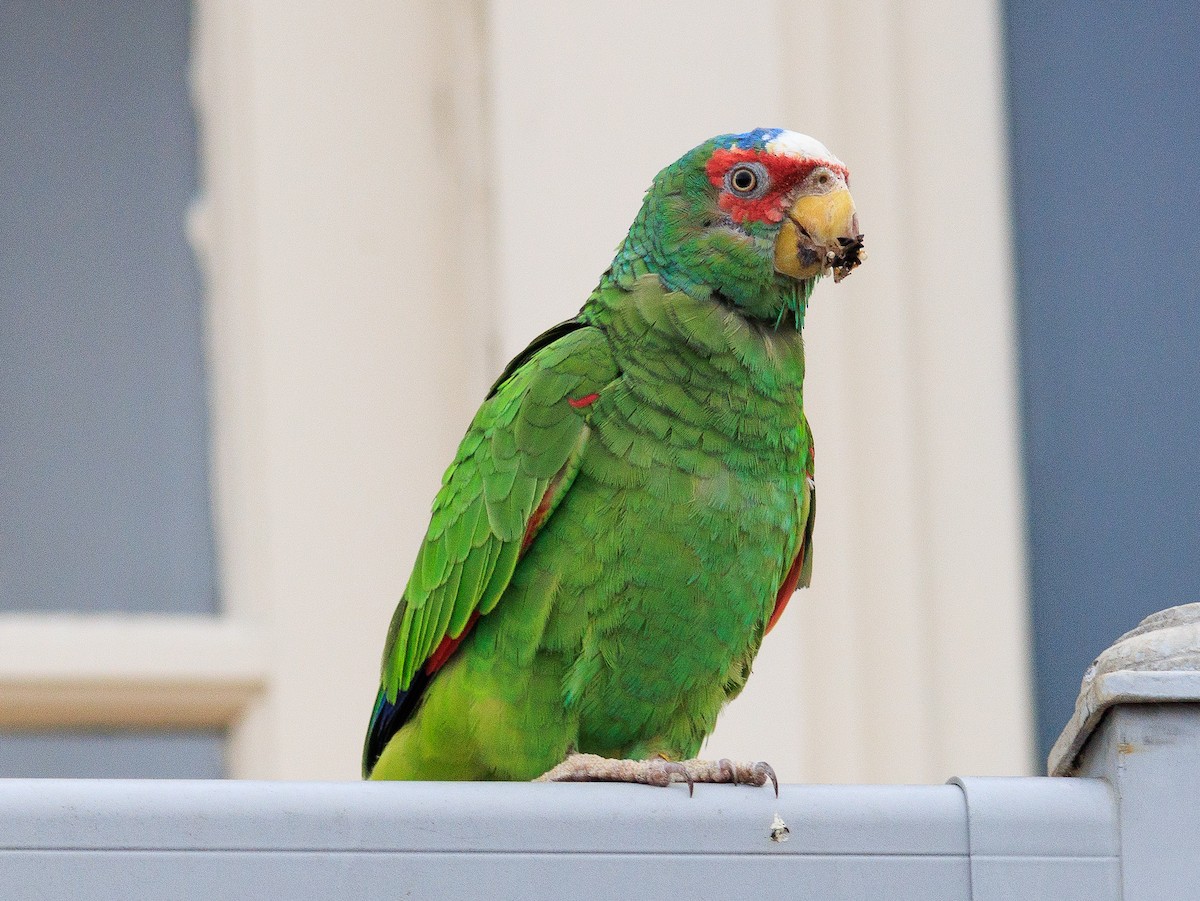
x=633, y=504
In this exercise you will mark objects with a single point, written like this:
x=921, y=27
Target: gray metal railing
x=1127, y=825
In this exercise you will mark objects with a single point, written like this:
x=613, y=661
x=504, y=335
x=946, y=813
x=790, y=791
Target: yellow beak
x=820, y=234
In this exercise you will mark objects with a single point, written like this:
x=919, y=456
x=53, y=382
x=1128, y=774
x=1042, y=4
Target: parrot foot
x=658, y=771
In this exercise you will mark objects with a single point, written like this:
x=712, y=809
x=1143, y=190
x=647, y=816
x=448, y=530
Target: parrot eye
x=744, y=180
x=747, y=180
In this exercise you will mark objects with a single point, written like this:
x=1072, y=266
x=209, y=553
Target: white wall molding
x=60, y=671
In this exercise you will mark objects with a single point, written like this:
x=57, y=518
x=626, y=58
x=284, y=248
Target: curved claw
x=687, y=775
x=764, y=771
x=728, y=770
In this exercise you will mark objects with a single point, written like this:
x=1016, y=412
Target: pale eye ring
x=747, y=180
x=822, y=179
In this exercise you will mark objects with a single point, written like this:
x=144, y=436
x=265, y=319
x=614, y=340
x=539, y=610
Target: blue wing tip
x=388, y=716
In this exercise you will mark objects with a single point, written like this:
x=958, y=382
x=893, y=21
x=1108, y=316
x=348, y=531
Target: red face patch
x=784, y=172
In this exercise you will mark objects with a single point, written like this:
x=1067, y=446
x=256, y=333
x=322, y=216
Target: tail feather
x=389, y=716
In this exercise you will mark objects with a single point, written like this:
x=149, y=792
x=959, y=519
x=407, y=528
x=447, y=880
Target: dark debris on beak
x=849, y=256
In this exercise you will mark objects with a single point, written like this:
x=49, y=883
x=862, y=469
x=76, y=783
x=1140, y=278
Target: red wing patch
x=580, y=402
x=542, y=510
x=447, y=647
x=535, y=521
x=786, y=590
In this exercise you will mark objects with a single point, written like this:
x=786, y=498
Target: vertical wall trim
x=345, y=231
x=912, y=393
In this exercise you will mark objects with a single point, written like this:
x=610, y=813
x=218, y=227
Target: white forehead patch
x=792, y=143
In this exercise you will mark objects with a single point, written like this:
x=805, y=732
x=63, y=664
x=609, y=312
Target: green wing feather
x=810, y=515
x=525, y=441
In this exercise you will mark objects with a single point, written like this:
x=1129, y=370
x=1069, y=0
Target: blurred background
x=259, y=262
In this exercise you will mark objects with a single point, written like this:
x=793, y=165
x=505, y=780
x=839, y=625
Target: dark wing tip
x=388, y=717
x=546, y=338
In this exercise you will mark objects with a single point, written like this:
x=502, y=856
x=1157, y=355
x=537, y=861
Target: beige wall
x=398, y=195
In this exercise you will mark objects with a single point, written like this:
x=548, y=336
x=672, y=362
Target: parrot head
x=756, y=218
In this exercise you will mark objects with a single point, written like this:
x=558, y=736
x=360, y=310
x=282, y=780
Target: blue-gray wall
x=1105, y=102
x=103, y=420
x=108, y=754
x=103, y=414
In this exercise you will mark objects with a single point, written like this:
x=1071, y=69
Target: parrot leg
x=659, y=771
